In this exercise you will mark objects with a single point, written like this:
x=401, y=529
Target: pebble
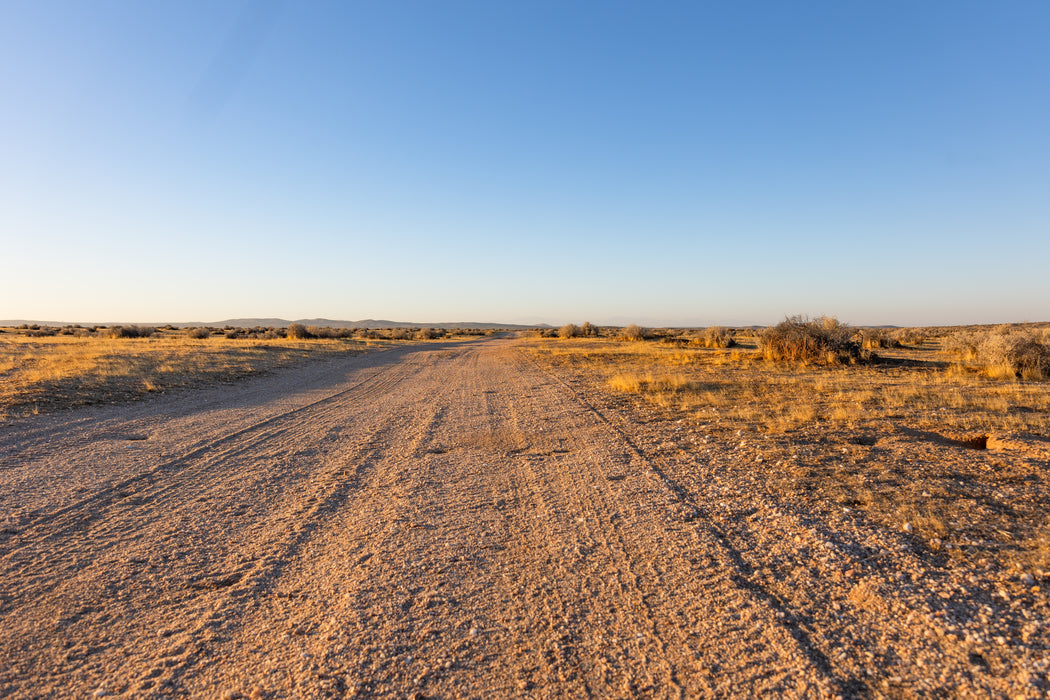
x=1028, y=579
x=908, y=527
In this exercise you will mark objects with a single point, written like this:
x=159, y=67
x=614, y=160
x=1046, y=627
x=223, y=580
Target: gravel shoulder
x=449, y=520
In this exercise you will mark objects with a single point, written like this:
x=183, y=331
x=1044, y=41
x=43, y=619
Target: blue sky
x=655, y=162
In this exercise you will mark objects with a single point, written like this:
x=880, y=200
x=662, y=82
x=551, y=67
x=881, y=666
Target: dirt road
x=441, y=520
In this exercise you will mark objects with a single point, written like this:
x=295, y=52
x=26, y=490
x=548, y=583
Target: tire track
x=200, y=459
x=220, y=583
x=456, y=524
x=682, y=508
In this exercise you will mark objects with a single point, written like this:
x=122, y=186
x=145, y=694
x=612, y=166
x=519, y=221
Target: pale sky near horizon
x=666, y=163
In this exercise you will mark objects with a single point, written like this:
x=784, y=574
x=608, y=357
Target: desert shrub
x=198, y=333
x=425, y=334
x=397, y=334
x=234, y=333
x=298, y=331
x=634, y=332
x=963, y=344
x=129, y=332
x=569, y=330
x=909, y=336
x=715, y=337
x=1003, y=352
x=823, y=340
x=588, y=330
x=876, y=338
x=44, y=332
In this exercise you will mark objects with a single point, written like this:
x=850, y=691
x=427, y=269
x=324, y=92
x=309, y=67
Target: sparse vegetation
x=815, y=422
x=1003, y=352
x=58, y=370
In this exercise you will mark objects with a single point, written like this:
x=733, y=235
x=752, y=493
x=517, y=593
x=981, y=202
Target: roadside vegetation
x=939, y=432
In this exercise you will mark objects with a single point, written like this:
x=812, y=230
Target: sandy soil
x=443, y=521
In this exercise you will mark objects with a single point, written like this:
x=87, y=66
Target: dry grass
x=40, y=374
x=895, y=439
x=1003, y=352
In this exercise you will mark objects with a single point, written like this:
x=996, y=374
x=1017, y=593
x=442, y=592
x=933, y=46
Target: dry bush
x=588, y=330
x=425, y=334
x=298, y=331
x=1003, y=352
x=823, y=340
x=569, y=330
x=876, y=339
x=397, y=334
x=909, y=336
x=634, y=332
x=715, y=337
x=129, y=332
x=198, y=333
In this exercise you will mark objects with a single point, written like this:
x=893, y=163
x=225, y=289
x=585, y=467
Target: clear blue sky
x=655, y=162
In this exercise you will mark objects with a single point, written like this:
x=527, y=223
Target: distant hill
x=365, y=323
x=283, y=323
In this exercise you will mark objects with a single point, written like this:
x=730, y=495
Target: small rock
x=101, y=693
x=1028, y=579
x=908, y=528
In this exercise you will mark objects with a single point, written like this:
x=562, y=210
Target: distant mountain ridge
x=283, y=323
